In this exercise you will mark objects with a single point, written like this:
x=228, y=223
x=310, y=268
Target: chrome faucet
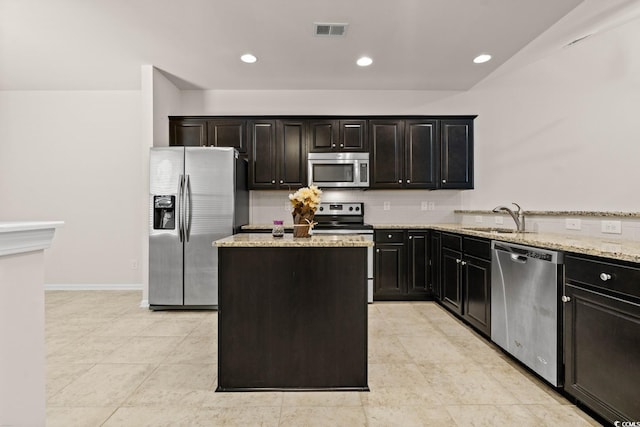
x=518, y=216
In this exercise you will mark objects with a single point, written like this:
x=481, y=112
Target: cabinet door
x=188, y=132
x=421, y=154
x=387, y=152
x=292, y=153
x=418, y=271
x=262, y=160
x=390, y=273
x=353, y=135
x=451, y=280
x=323, y=135
x=227, y=133
x=477, y=293
x=435, y=263
x=601, y=336
x=456, y=153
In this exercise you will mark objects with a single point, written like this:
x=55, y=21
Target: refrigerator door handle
x=180, y=208
x=188, y=213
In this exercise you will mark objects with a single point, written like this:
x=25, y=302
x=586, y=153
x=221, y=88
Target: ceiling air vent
x=330, y=30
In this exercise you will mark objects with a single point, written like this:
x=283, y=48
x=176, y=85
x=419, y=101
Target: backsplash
x=404, y=207
x=589, y=224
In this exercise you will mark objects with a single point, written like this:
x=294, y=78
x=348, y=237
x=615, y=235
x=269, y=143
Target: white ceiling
x=415, y=44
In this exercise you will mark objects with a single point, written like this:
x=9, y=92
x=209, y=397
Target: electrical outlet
x=424, y=206
x=387, y=206
x=611, y=227
x=499, y=220
x=479, y=219
x=134, y=264
x=572, y=224
x=432, y=206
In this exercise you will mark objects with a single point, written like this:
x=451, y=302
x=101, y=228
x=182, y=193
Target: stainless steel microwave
x=338, y=170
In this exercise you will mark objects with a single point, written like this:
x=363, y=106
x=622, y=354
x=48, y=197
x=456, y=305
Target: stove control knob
x=350, y=208
x=357, y=208
x=321, y=208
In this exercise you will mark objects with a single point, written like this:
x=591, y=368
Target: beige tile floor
x=111, y=363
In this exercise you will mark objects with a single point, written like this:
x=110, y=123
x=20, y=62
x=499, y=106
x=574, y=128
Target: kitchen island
x=292, y=313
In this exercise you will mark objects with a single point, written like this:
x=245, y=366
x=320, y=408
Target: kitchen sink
x=496, y=230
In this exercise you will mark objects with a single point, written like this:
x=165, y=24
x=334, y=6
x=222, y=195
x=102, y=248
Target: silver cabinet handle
x=408, y=181
x=389, y=236
x=333, y=145
x=281, y=181
x=341, y=145
x=605, y=276
x=410, y=237
x=273, y=181
x=463, y=262
x=378, y=250
x=565, y=298
x=399, y=181
x=444, y=181
x=458, y=261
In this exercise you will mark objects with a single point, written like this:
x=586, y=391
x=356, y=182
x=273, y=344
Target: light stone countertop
x=625, y=250
x=252, y=240
x=554, y=213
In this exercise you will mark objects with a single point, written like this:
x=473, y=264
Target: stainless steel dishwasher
x=525, y=284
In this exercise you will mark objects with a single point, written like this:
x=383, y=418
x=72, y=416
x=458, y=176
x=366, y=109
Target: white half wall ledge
x=26, y=236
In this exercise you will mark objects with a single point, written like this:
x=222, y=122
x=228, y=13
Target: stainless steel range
x=347, y=218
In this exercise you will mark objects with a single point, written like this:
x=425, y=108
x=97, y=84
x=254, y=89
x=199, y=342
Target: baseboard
x=94, y=287
x=144, y=303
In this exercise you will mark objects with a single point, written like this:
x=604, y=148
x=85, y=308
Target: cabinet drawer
x=389, y=236
x=603, y=274
x=479, y=248
x=452, y=241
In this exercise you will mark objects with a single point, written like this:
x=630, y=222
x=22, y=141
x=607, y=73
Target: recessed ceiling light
x=248, y=58
x=482, y=58
x=365, y=61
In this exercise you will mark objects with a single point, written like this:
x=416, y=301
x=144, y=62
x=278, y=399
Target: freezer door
x=166, y=168
x=210, y=205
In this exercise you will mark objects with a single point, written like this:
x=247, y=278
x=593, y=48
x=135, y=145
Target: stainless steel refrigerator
x=197, y=195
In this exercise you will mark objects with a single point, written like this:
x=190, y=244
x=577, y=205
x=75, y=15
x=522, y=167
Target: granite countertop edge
x=255, y=240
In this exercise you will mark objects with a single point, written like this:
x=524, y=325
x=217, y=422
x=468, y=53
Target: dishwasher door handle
x=519, y=258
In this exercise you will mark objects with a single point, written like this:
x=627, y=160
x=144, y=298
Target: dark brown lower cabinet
x=465, y=279
x=602, y=337
x=477, y=293
x=451, y=277
x=402, y=265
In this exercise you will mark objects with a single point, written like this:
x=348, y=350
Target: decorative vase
x=302, y=226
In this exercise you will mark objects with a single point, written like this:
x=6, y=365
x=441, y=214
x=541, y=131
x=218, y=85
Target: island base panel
x=292, y=318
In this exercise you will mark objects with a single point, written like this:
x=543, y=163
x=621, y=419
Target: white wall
x=310, y=102
x=561, y=133
x=166, y=102
x=75, y=157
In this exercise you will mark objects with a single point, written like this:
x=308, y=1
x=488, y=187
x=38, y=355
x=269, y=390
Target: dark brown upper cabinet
x=422, y=153
x=202, y=132
x=228, y=133
x=387, y=153
x=404, y=153
x=187, y=132
x=456, y=153
x=337, y=135
x=278, y=158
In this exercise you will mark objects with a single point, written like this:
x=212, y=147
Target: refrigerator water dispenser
x=164, y=212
